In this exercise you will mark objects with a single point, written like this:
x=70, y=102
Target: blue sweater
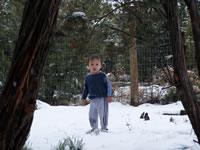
x=97, y=85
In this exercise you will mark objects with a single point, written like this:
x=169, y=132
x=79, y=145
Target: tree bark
x=133, y=59
x=181, y=78
x=18, y=98
x=195, y=19
x=134, y=74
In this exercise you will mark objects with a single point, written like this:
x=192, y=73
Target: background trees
x=10, y=19
x=103, y=28
x=83, y=30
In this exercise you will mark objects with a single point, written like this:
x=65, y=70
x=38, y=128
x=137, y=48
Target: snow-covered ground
x=127, y=131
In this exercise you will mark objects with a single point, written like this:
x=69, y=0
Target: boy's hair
x=93, y=57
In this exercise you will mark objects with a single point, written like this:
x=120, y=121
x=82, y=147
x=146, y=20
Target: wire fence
x=64, y=73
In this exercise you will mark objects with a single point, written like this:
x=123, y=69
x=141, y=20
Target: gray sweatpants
x=98, y=107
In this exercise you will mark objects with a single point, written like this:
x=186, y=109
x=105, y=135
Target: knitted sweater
x=97, y=85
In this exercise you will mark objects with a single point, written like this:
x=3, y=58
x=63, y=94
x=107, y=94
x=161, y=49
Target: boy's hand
x=109, y=98
x=83, y=102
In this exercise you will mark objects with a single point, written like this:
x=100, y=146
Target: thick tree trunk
x=18, y=99
x=181, y=78
x=195, y=19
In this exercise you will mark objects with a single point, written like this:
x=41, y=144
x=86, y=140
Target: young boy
x=99, y=89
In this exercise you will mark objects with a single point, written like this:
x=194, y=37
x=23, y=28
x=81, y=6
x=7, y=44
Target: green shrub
x=170, y=97
x=27, y=147
x=70, y=143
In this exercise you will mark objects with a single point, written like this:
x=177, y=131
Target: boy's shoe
x=142, y=115
x=104, y=130
x=90, y=131
x=146, y=116
x=94, y=131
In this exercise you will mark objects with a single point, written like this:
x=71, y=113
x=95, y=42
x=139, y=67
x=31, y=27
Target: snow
x=78, y=14
x=127, y=131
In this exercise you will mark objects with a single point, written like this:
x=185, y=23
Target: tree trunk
x=133, y=59
x=195, y=19
x=18, y=98
x=181, y=78
x=134, y=74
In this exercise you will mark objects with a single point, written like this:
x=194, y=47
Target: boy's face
x=94, y=66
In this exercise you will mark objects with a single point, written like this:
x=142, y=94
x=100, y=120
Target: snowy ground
x=127, y=131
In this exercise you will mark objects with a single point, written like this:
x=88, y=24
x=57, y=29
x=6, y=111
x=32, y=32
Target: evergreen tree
x=10, y=18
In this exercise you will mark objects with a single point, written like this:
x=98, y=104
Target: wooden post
x=134, y=74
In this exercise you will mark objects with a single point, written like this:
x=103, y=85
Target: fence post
x=134, y=74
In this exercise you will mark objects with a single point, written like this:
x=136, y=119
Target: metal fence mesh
x=64, y=73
